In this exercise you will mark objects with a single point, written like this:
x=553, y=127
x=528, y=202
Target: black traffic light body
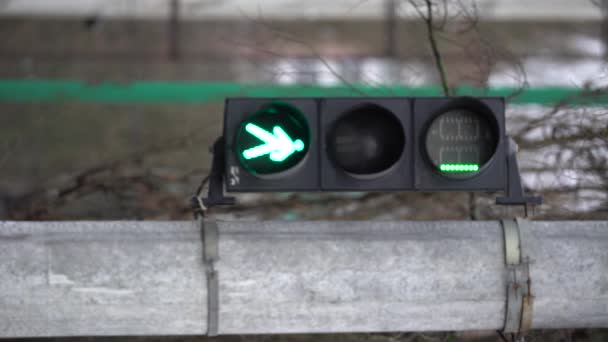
x=365, y=144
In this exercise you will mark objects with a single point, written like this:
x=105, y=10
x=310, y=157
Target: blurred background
x=108, y=107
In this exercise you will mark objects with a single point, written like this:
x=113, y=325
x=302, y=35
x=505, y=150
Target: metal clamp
x=210, y=236
x=518, y=319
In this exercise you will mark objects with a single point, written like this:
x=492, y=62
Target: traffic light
x=271, y=145
x=365, y=144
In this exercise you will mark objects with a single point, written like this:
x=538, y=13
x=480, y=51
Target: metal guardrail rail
x=150, y=278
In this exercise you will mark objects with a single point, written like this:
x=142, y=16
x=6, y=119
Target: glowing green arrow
x=277, y=144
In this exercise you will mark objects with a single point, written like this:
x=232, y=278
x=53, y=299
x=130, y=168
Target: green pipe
x=176, y=92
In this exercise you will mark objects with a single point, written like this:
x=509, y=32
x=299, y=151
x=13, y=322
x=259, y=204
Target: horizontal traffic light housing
x=365, y=144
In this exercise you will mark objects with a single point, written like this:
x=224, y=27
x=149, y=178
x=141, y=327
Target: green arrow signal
x=278, y=145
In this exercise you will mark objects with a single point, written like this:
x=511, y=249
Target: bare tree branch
x=428, y=20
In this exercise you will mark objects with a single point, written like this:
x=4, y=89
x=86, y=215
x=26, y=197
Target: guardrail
x=155, y=278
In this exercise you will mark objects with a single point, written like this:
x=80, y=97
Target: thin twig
x=428, y=19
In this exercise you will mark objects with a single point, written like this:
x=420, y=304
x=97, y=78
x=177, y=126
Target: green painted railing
x=25, y=91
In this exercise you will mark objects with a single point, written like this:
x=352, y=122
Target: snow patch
x=59, y=279
x=104, y=290
x=549, y=71
x=587, y=45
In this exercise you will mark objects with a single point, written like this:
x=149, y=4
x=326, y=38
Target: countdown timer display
x=460, y=142
x=273, y=140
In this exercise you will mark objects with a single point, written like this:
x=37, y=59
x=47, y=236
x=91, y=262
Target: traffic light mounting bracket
x=215, y=194
x=514, y=190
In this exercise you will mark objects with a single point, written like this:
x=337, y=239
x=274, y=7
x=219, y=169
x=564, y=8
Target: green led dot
x=459, y=167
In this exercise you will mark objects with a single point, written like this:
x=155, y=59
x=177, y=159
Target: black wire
x=502, y=336
x=201, y=186
x=195, y=200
